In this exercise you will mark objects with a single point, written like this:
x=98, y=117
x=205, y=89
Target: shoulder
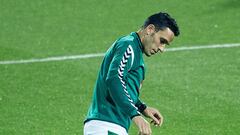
x=126, y=42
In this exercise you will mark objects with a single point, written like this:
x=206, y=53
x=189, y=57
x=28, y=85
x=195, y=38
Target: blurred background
x=197, y=91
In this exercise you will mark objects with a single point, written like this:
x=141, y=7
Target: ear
x=150, y=29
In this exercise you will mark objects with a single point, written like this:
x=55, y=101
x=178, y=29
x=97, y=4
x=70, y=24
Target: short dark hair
x=161, y=21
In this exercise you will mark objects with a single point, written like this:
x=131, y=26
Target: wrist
x=134, y=116
x=137, y=118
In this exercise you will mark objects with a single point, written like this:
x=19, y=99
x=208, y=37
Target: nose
x=161, y=47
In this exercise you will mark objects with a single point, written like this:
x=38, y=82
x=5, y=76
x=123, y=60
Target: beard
x=147, y=44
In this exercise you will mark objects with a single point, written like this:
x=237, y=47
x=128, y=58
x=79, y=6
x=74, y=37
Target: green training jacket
x=116, y=92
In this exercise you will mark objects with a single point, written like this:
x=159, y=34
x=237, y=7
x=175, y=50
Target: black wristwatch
x=141, y=107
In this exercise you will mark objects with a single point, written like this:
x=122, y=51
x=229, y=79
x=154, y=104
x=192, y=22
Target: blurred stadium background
x=197, y=91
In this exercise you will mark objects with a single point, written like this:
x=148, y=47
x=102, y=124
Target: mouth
x=153, y=52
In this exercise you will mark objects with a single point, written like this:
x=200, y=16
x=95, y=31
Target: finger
x=155, y=119
x=149, y=130
x=143, y=129
x=154, y=123
x=161, y=122
x=157, y=115
x=142, y=132
x=146, y=129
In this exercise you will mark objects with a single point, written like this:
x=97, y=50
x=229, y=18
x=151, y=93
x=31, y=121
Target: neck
x=140, y=33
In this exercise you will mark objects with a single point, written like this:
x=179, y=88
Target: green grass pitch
x=197, y=91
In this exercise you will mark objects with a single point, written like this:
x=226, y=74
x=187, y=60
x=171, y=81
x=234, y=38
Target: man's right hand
x=143, y=125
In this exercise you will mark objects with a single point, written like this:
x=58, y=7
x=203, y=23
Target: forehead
x=166, y=33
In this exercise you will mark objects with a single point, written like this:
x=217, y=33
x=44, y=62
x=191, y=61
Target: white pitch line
x=58, y=58
x=85, y=56
x=203, y=47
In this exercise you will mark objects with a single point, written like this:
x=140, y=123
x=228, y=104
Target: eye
x=163, y=41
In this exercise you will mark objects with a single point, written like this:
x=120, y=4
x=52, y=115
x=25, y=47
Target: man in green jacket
x=116, y=94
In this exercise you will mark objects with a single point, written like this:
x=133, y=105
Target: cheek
x=150, y=43
x=153, y=45
x=156, y=42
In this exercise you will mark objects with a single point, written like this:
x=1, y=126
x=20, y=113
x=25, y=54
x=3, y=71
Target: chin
x=148, y=55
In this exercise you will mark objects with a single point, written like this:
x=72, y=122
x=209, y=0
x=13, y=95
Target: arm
x=122, y=61
x=118, y=70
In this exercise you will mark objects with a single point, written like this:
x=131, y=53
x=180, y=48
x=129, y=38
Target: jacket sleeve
x=118, y=70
